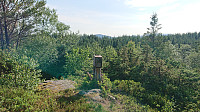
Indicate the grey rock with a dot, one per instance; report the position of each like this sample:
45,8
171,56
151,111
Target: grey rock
93,94
58,85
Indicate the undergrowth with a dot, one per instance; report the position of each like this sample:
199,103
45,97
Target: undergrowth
18,99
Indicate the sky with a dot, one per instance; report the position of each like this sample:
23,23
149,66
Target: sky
127,17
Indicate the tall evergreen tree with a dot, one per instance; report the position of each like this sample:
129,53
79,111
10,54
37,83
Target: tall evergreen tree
153,30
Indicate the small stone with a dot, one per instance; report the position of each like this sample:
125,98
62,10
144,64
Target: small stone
111,97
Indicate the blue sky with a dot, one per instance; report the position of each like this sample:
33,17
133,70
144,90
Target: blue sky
127,17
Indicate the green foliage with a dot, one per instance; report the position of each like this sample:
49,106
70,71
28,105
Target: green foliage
46,39
159,102
48,51
18,71
128,86
160,71
170,51
194,58
120,66
152,32
129,104
77,61
42,49
19,99
168,107
133,88
105,85
88,84
163,79
23,14
110,53
48,24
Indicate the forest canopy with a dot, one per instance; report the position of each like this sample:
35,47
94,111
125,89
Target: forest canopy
160,71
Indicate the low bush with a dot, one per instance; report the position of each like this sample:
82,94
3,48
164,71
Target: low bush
18,71
21,100
128,86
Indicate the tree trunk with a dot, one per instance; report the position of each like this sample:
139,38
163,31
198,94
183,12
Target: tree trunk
5,25
18,39
1,34
19,35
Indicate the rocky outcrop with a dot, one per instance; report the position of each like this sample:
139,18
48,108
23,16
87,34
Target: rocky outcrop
93,94
57,85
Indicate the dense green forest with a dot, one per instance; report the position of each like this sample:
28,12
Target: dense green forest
160,72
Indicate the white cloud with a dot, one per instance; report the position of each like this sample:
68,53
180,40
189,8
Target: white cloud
183,20
169,9
147,3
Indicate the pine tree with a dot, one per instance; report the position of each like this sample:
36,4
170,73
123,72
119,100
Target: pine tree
17,18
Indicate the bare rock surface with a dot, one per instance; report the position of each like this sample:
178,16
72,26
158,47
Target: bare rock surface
93,94
58,85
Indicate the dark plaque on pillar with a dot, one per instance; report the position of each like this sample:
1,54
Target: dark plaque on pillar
97,67
98,61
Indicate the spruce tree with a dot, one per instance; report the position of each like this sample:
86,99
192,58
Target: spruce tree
153,30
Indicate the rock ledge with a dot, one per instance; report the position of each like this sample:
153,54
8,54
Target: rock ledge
57,85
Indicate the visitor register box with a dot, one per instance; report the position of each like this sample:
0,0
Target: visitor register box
97,61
